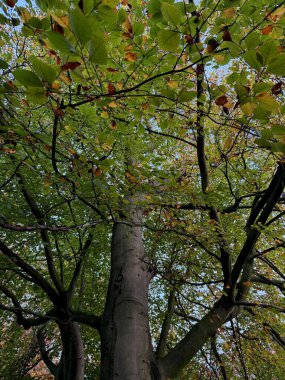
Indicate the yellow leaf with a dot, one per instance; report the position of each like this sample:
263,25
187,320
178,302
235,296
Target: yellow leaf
106,146
104,114
63,21
276,15
228,142
268,101
56,85
172,84
219,58
229,12
248,108
66,79
24,14
113,105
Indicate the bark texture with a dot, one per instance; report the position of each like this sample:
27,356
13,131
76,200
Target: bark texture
125,339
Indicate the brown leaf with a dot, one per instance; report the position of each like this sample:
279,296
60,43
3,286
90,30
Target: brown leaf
127,25
226,110
8,150
267,29
11,84
111,70
276,89
57,28
113,125
111,89
226,35
189,39
51,53
221,100
126,36
10,3
70,66
212,45
25,102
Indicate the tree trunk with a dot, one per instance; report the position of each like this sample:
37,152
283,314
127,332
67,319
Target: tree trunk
126,350
71,366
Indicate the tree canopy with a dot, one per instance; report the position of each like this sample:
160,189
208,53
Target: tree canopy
142,178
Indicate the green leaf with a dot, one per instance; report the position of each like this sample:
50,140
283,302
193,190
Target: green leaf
43,70
168,40
60,43
187,96
138,28
263,143
27,78
260,113
278,147
269,52
97,51
278,65
252,40
3,64
251,58
171,14
80,25
261,87
278,129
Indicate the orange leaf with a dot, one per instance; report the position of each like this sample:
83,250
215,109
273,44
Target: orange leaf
56,85
70,66
127,25
111,70
58,112
111,89
97,172
267,29
129,56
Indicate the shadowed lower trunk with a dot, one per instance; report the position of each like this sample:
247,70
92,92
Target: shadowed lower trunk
71,365
126,351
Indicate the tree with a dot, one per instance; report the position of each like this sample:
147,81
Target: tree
142,185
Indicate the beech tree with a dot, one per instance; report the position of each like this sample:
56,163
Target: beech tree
142,178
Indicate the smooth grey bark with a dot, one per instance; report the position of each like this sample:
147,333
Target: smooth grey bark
186,349
126,351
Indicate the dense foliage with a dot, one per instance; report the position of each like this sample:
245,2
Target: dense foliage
170,109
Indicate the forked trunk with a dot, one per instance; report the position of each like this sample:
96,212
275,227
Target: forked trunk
71,366
126,350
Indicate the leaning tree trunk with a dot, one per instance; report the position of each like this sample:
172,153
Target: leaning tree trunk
126,350
71,366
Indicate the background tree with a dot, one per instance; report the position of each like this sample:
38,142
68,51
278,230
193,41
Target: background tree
142,186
